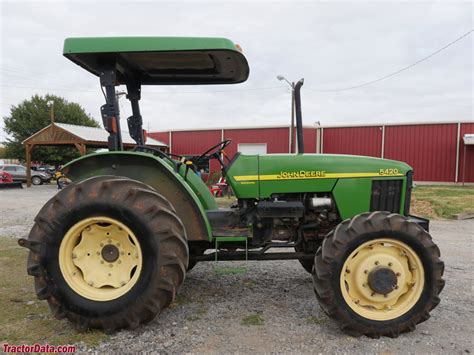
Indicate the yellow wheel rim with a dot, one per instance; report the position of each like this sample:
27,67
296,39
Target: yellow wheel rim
382,279
100,258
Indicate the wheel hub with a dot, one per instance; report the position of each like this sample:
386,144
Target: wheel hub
110,253
382,280
100,258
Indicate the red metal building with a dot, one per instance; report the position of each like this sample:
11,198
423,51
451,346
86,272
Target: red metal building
436,151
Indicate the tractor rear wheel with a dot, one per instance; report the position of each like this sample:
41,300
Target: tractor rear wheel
378,274
107,252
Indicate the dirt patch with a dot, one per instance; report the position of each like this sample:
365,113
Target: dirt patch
422,208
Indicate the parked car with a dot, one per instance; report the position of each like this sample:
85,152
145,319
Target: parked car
18,173
48,169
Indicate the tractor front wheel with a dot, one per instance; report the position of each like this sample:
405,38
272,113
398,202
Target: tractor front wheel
107,252
378,274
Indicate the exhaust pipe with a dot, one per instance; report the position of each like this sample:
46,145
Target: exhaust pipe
299,118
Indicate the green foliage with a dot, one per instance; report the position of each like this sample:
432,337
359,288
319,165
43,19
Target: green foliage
32,115
252,320
3,152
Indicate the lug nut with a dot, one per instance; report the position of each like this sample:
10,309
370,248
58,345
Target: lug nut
372,294
366,271
390,264
376,263
91,283
348,271
398,274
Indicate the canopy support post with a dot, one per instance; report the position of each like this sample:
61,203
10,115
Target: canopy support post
110,111
135,122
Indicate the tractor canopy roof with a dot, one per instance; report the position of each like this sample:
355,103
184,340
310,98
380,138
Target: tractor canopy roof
161,60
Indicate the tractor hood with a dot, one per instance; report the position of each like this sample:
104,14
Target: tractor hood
263,175
322,166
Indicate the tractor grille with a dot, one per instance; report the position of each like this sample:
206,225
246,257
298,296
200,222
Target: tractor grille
386,195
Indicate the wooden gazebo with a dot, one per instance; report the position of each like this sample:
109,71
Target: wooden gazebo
82,137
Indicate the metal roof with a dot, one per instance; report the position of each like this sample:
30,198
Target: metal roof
94,134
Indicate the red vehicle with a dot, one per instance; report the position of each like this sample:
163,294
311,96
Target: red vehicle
6,181
220,188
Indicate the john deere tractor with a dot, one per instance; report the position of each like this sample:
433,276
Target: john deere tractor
111,249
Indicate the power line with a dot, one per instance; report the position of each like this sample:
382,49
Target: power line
400,70
151,93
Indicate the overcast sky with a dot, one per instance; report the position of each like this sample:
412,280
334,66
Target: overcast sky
331,44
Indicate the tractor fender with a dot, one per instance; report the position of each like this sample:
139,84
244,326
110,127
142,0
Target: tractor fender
152,171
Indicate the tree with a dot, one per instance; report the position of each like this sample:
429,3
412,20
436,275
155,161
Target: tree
34,114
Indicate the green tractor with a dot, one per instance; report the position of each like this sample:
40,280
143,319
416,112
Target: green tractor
111,250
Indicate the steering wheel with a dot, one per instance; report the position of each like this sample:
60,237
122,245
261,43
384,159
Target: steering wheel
156,151
216,149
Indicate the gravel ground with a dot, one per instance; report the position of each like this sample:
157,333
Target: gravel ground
207,316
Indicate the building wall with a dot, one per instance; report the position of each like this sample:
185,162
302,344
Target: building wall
160,136
468,173
277,139
430,149
353,140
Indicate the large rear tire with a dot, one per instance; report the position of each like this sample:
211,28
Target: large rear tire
378,274
107,252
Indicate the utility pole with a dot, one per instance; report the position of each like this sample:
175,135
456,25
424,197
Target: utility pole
292,126
51,110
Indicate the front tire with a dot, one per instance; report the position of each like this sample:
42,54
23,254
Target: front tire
36,180
107,252
378,274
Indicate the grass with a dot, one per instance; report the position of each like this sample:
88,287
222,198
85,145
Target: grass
439,201
230,270
252,320
23,318
315,320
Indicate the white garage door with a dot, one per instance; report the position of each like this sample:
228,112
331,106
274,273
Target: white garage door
252,148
